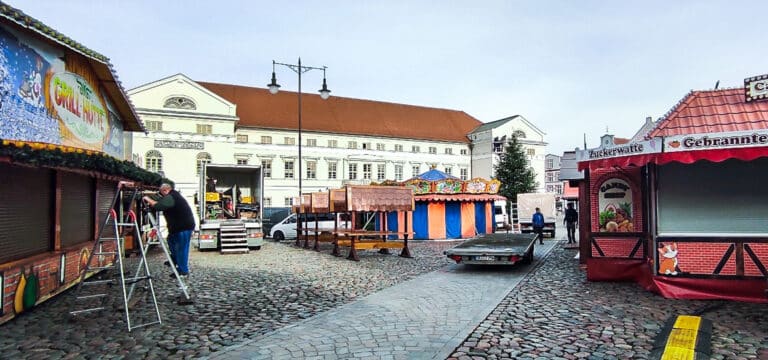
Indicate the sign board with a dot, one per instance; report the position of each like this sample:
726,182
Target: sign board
708,141
756,88
633,148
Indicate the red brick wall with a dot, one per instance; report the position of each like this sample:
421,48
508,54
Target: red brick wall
46,269
617,247
702,258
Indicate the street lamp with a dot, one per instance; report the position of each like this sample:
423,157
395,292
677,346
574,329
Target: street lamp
324,94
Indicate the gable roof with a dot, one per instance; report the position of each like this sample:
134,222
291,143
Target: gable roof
494,124
256,107
713,111
102,68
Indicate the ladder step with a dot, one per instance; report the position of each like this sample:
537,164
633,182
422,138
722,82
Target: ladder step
126,224
100,267
83,297
135,280
99,282
105,253
86,310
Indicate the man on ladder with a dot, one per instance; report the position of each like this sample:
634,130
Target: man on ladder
181,223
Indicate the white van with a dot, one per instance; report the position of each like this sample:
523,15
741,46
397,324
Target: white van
500,215
286,229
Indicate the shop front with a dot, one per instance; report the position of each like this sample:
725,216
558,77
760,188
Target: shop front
63,117
683,212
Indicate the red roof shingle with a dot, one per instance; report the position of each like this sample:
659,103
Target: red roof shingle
713,111
256,107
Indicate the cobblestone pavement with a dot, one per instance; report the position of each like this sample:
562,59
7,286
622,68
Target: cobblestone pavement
237,297
423,318
556,314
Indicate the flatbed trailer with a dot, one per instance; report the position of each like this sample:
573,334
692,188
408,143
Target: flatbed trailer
494,249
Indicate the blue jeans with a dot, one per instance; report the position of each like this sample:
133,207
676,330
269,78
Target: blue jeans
179,247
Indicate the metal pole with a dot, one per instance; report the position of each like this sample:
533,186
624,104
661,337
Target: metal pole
300,71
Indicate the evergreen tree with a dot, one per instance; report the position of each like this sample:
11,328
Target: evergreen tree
513,172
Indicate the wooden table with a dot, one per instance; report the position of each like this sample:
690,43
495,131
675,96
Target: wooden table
361,239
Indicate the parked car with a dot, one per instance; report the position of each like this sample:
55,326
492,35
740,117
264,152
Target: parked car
286,229
272,216
500,214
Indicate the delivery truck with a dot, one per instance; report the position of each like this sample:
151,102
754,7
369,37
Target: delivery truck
526,206
229,206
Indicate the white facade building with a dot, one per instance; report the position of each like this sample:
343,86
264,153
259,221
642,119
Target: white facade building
489,141
189,123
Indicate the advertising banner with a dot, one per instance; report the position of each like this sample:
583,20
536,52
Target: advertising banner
724,140
43,100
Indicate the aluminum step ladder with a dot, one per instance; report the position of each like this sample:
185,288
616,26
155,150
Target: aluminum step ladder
233,237
105,263
154,236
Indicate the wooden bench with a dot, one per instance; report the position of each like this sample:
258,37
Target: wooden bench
370,240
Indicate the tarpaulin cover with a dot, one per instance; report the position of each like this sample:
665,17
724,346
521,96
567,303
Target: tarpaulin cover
434,175
436,220
749,290
489,223
467,219
393,223
480,217
452,220
421,221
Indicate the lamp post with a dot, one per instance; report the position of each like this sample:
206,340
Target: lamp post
324,94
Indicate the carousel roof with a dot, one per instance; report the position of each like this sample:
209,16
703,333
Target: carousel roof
434,175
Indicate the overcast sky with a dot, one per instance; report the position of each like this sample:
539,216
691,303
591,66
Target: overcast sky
570,67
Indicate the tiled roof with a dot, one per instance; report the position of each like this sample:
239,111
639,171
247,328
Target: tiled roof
713,111
494,124
256,107
619,141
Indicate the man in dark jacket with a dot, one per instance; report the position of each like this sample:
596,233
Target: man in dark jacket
181,224
571,218
538,224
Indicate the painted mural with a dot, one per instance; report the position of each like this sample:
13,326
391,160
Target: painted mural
40,101
615,206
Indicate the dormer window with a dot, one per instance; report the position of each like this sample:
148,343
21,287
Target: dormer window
180,102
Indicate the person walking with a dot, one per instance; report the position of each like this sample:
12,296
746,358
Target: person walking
181,223
538,225
570,221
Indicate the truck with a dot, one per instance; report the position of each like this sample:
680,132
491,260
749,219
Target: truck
501,248
229,206
526,206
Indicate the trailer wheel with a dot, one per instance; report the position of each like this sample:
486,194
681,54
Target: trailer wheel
279,236
529,256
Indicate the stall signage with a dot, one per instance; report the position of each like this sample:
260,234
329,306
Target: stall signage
615,206
79,107
725,140
634,148
172,144
756,88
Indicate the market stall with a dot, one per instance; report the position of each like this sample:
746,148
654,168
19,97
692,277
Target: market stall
682,211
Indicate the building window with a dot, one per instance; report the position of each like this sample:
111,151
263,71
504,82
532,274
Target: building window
433,150
352,171
449,151
351,144
288,169
289,140
179,102
288,201
204,129
242,138
399,147
312,142
332,169
242,161
154,161
463,151
267,202
398,172
367,171
550,176
266,167
266,139
202,158
464,173
333,144
366,146
153,125
531,152
415,148
380,147
519,134
311,169
550,163
415,170
449,170
381,171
